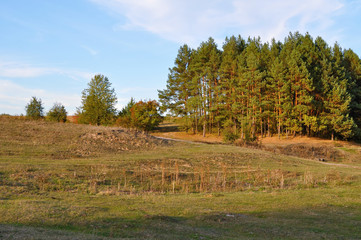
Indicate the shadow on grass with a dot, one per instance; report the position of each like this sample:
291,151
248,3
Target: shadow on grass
324,222
167,127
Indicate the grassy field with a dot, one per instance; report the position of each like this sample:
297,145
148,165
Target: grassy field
66,181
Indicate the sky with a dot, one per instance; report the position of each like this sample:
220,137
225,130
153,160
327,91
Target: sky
52,49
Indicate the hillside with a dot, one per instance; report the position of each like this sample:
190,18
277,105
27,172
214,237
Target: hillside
306,147
21,137
64,181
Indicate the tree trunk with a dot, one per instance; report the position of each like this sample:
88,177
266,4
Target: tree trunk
196,127
204,129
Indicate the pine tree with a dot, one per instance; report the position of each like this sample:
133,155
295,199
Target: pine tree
175,97
252,80
204,68
352,65
34,109
277,86
300,86
229,100
274,84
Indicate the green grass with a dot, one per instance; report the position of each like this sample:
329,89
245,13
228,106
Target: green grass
350,150
175,191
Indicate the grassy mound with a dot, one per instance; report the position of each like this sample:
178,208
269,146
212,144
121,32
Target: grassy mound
22,137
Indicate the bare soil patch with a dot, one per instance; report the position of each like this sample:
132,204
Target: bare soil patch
314,148
300,146
115,140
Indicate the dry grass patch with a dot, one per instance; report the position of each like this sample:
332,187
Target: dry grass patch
109,182
24,138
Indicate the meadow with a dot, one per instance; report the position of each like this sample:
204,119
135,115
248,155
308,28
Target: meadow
66,181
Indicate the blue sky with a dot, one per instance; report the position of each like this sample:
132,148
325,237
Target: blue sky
51,49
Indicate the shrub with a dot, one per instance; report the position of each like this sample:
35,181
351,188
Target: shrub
57,113
145,115
229,136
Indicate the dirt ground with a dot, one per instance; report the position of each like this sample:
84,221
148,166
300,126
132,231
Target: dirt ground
300,146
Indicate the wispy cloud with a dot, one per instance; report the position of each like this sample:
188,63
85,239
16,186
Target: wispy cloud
12,69
20,70
189,21
14,96
90,50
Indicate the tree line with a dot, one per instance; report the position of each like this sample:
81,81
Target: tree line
98,108
35,110
300,86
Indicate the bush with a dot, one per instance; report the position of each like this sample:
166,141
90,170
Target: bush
34,109
229,133
141,115
57,113
124,119
229,136
145,115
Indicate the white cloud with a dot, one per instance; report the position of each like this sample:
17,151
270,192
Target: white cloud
11,69
19,70
190,21
14,96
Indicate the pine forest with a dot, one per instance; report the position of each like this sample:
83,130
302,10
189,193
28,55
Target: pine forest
250,89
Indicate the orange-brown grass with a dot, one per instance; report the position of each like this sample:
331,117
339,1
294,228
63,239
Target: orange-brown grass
302,146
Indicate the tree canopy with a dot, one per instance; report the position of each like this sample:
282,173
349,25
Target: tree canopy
34,109
145,115
301,86
57,113
98,102
142,115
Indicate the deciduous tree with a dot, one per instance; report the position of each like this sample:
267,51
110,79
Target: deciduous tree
57,113
98,102
145,115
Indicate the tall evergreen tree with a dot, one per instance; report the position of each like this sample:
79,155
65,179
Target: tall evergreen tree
252,81
34,109
229,103
352,64
204,67
300,86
